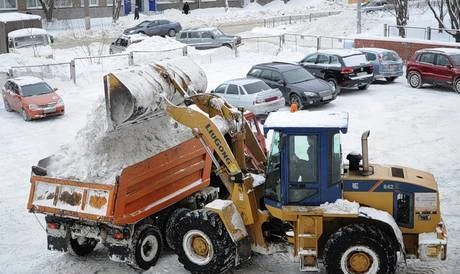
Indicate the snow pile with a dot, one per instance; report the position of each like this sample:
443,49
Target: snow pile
98,156
340,207
156,43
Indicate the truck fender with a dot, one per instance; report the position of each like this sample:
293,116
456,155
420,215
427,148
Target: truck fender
386,218
231,218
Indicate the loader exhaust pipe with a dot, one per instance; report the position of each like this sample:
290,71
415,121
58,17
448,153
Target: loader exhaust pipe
365,152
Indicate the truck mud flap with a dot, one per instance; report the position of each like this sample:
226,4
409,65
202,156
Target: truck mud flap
57,243
119,253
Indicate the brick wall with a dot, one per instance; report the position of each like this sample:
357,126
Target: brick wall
405,49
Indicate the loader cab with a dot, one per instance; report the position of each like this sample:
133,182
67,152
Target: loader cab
305,158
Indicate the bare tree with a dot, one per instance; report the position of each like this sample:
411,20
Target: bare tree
453,8
116,7
48,7
402,15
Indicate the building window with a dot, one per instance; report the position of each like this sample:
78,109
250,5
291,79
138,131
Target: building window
8,4
63,3
93,3
33,4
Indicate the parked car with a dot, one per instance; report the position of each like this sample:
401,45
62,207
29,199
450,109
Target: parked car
156,27
438,66
32,97
206,38
296,83
252,94
376,5
387,63
124,41
342,68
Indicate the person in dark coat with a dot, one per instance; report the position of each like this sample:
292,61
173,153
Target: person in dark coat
186,8
136,13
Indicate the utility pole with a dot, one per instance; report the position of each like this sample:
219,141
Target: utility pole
87,18
358,26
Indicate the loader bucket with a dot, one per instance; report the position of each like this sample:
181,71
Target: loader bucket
136,94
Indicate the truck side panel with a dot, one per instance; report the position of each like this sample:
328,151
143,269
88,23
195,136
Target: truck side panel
162,180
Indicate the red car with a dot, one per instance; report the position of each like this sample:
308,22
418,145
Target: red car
32,97
437,66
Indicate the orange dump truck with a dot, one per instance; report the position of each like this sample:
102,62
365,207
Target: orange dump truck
131,215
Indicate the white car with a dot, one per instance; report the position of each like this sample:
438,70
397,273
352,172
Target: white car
252,94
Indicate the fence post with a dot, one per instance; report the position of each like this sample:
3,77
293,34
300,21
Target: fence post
290,20
273,20
318,42
73,73
385,30
131,58
10,73
310,17
184,51
235,48
428,33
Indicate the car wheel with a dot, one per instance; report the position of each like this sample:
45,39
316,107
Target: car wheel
172,32
334,84
24,115
228,46
7,106
295,99
457,85
110,51
415,79
390,79
363,87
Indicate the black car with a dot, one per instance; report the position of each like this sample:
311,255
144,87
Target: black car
342,68
296,83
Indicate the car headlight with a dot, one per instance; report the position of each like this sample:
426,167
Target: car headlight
310,94
60,102
34,107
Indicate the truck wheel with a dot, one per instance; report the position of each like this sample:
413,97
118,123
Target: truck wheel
203,244
82,246
360,248
147,243
171,228
415,79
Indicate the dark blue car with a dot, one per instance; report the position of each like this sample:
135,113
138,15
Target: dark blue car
387,63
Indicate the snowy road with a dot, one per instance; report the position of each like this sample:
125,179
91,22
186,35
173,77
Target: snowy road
414,127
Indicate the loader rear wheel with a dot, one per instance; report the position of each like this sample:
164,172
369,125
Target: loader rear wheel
82,246
172,226
359,249
203,244
147,243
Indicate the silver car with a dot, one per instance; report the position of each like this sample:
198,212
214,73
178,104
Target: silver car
124,41
252,94
206,38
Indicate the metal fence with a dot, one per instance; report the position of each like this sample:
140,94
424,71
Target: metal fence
425,33
59,70
295,19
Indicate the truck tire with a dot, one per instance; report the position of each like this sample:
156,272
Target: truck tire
82,246
171,228
203,244
147,244
360,248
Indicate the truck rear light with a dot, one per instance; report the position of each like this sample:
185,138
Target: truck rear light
118,235
53,226
346,70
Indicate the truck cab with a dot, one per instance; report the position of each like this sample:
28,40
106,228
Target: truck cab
34,42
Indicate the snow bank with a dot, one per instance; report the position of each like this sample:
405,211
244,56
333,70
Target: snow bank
340,207
156,43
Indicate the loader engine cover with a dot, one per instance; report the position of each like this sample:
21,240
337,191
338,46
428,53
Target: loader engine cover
135,94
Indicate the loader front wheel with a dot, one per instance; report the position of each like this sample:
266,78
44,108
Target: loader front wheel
147,244
203,244
359,248
82,246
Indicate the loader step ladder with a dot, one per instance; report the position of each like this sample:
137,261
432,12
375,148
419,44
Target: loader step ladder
308,230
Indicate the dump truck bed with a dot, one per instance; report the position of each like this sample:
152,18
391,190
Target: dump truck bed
141,190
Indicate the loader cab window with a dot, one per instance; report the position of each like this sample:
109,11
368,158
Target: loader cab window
336,160
273,180
303,167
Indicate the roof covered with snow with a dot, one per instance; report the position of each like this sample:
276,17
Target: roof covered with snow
340,52
307,119
242,81
26,32
444,50
27,80
16,16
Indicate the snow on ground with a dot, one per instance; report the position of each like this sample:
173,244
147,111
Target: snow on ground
413,127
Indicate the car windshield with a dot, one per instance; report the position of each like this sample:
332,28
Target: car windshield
390,56
30,40
297,75
455,59
217,32
35,89
256,87
355,60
